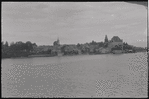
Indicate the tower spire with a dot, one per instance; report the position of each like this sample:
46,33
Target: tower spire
106,39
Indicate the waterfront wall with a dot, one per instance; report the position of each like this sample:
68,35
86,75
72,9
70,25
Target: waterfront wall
117,51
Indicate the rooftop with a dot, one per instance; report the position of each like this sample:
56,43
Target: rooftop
116,39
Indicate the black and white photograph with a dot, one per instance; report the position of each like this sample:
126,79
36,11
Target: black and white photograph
74,49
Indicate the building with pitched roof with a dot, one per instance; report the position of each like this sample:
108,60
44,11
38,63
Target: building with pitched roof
116,42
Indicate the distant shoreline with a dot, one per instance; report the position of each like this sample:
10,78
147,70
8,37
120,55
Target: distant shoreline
47,55
41,55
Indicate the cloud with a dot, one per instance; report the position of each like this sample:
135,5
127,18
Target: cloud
86,19
22,10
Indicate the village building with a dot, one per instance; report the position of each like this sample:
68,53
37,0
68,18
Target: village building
57,48
109,44
42,48
116,42
107,48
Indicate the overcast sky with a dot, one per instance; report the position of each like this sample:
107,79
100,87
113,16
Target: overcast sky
74,22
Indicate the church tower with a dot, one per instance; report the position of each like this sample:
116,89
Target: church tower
106,39
58,47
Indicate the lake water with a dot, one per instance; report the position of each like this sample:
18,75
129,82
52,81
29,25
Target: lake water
121,75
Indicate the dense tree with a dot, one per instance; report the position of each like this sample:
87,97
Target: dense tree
6,44
20,49
78,45
17,49
12,43
93,42
29,46
63,48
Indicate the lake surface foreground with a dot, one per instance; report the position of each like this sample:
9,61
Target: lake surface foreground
120,75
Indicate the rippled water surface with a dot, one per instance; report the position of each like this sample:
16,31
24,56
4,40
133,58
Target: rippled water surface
121,75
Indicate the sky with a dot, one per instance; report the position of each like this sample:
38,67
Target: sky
73,22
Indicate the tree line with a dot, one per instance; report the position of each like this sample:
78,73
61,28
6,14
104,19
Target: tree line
18,49
21,49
